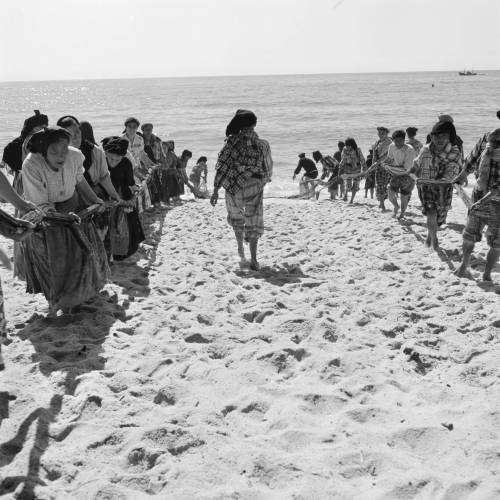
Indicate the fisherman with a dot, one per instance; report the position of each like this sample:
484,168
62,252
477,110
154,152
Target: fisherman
330,171
306,185
412,140
399,162
485,211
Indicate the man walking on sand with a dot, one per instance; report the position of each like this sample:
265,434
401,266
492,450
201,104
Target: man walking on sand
382,176
243,168
486,212
398,163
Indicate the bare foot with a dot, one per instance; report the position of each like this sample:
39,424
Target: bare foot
395,212
435,244
401,215
487,278
254,265
428,241
463,272
244,264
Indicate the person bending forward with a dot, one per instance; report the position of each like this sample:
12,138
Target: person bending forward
243,168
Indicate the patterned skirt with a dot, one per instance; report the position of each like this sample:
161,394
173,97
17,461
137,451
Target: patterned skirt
245,209
68,264
437,198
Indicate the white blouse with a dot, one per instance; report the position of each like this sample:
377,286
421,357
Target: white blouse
43,186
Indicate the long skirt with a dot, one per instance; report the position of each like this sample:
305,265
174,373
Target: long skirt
126,233
154,186
67,264
245,209
170,184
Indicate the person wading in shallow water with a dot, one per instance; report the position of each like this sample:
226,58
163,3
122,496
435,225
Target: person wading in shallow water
306,185
243,168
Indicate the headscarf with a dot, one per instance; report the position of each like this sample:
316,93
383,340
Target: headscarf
242,119
445,128
40,141
87,132
317,155
30,123
116,145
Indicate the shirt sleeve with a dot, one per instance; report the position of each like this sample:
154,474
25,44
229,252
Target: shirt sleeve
35,188
101,166
409,158
298,169
77,159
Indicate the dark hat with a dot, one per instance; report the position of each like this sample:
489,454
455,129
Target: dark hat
399,133
242,119
317,155
383,128
40,141
494,135
187,154
445,118
36,120
146,125
202,158
445,128
116,145
132,120
66,121
302,155
411,130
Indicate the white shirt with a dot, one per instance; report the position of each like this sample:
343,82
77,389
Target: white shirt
44,186
402,157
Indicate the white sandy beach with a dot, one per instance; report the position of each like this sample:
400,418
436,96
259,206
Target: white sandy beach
353,366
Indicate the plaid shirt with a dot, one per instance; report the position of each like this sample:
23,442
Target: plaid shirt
330,167
445,164
380,149
488,172
353,162
471,163
242,156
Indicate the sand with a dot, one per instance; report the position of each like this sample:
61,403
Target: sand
353,366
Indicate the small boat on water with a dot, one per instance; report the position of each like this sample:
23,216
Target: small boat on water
467,72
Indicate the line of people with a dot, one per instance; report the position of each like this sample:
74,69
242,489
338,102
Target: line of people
78,205
398,163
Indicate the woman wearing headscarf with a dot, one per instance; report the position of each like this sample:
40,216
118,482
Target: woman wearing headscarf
96,172
439,160
170,179
139,159
243,167
17,233
126,229
352,162
15,152
65,262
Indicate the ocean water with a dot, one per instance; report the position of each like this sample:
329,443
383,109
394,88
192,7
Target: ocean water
296,113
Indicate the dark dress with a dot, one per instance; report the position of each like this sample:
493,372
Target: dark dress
122,177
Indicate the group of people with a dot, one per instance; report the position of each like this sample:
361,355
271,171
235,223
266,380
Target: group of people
78,205
398,163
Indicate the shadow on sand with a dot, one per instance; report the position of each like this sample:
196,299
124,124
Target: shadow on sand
71,345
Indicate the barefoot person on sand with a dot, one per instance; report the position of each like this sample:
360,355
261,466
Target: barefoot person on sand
243,168
399,162
330,172
306,184
352,163
485,213
382,176
439,160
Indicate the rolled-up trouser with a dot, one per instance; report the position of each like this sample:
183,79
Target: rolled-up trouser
245,209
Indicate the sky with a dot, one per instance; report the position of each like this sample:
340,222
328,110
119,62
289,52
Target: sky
87,39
